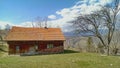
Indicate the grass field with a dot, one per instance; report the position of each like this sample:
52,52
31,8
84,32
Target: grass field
67,60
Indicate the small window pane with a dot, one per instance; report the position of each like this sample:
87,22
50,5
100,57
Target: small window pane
50,46
36,47
17,48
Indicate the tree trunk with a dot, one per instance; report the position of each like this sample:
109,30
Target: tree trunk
108,49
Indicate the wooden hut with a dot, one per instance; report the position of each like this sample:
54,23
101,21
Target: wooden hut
23,40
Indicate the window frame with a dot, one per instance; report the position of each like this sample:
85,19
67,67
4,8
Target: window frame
50,46
17,48
36,47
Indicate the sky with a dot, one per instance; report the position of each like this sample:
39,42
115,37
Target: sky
58,12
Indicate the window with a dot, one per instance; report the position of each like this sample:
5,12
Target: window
36,47
49,45
17,48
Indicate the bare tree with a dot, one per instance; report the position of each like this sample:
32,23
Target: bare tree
99,22
40,22
90,47
7,27
115,44
1,39
45,20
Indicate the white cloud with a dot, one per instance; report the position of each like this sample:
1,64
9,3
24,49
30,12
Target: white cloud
52,17
3,23
81,7
67,15
23,24
103,2
26,24
92,1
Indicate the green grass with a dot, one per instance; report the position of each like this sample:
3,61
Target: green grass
70,60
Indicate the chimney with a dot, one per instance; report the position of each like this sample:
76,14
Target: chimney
45,27
45,23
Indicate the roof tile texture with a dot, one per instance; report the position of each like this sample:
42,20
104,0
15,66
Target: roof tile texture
34,34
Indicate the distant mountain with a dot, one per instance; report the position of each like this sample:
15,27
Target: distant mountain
83,33
72,33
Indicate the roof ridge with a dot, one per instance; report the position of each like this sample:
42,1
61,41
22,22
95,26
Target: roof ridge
35,27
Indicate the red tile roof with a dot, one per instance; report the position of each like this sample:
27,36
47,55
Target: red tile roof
34,34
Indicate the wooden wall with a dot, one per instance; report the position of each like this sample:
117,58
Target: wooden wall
42,46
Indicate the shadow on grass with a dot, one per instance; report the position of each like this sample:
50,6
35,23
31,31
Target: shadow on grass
2,50
69,51
65,52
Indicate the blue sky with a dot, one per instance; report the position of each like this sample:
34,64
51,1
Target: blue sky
17,11
59,12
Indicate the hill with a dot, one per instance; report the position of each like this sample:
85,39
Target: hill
70,60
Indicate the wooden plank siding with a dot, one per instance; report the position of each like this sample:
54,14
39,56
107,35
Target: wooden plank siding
42,46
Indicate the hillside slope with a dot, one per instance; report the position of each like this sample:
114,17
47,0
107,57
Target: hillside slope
71,60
